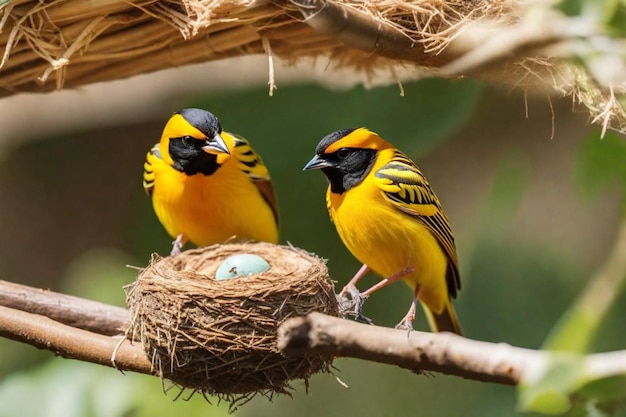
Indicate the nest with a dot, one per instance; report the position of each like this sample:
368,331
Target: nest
49,45
219,337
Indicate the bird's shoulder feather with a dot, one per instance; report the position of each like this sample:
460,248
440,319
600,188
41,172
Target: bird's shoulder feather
404,186
251,164
153,156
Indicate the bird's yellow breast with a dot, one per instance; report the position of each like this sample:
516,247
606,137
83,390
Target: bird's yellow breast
208,209
389,240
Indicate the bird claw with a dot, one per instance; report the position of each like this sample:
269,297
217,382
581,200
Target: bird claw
406,324
352,305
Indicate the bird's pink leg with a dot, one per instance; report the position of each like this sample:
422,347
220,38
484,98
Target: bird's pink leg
389,280
359,298
407,322
350,287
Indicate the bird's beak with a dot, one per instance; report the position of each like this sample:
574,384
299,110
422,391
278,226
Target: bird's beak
318,163
216,146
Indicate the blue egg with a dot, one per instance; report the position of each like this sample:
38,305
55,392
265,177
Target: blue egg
241,265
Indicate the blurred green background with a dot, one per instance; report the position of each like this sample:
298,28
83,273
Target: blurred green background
529,234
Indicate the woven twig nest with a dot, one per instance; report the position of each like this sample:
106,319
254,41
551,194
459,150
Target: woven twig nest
219,336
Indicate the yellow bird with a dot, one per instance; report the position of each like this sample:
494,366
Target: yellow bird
208,185
388,216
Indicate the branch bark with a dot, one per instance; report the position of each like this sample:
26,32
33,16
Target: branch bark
417,351
420,351
72,343
74,311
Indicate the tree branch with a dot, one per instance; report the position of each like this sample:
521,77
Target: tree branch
421,351
74,311
72,343
417,351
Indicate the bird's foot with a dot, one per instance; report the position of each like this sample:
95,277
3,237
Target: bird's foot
177,246
406,323
351,302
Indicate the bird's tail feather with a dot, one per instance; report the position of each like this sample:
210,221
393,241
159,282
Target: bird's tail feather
446,321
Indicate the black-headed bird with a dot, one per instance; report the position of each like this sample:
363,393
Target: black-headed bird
390,219
208,185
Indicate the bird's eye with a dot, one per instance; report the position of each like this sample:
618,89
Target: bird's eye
343,153
188,141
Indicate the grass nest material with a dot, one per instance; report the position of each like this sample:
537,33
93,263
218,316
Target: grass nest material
59,43
218,337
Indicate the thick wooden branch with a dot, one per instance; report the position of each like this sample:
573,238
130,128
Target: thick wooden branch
70,342
420,351
417,351
74,311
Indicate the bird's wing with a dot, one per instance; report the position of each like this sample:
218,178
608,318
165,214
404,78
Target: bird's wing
251,164
406,188
148,169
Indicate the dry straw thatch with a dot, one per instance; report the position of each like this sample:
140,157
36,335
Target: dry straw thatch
61,43
219,337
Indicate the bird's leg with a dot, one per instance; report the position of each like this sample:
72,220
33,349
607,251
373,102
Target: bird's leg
354,304
177,245
350,287
359,298
389,280
407,322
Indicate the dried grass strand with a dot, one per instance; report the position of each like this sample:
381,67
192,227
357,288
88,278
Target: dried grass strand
60,44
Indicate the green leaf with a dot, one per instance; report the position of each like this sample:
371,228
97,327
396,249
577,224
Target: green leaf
615,17
561,384
546,387
571,7
605,390
574,331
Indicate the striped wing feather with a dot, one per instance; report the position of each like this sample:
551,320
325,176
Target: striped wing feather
406,188
251,164
148,171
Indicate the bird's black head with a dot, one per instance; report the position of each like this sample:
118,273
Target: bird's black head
194,142
204,121
344,158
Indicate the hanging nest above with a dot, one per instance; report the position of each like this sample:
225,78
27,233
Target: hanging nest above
526,44
219,336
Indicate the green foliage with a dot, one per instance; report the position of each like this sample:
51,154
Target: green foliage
506,193
562,385
616,17
606,391
601,163
547,388
611,14
108,271
571,7
70,388
574,331
299,116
